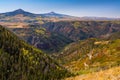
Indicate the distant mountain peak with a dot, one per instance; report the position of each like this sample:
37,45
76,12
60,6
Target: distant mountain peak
52,12
20,10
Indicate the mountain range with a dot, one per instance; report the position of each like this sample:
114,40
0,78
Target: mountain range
51,15
25,13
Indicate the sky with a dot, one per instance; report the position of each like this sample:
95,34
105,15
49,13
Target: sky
80,8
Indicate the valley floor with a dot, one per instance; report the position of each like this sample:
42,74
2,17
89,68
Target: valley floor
110,74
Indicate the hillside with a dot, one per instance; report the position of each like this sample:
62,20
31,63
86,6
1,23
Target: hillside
111,74
20,61
91,55
80,30
38,36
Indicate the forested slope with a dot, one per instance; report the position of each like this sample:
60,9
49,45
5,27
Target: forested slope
20,61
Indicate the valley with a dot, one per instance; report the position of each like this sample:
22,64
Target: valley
53,46
54,36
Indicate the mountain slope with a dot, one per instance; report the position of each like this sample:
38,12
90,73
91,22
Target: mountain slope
38,36
79,30
21,61
91,55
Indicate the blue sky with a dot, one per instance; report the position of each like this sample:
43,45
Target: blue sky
99,8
